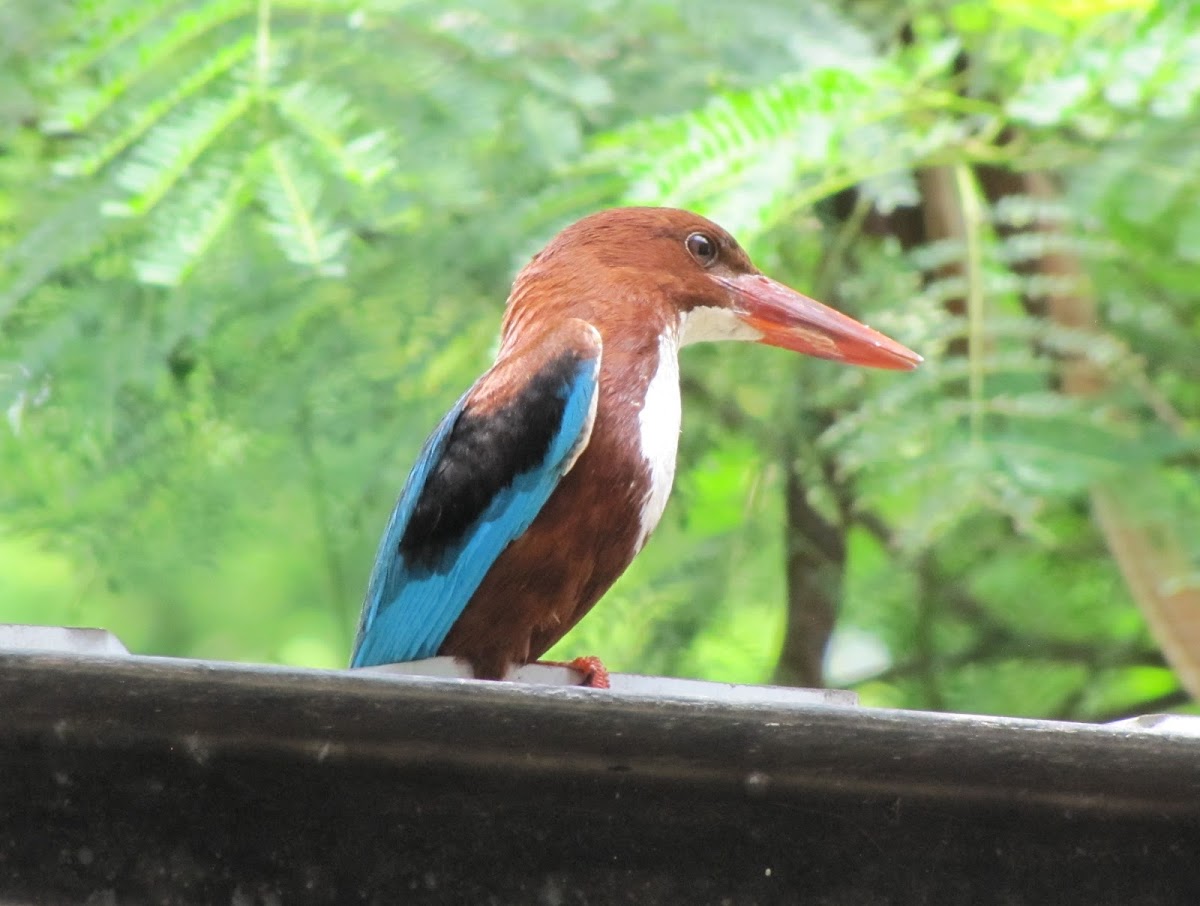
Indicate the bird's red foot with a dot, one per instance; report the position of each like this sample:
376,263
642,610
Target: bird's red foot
595,674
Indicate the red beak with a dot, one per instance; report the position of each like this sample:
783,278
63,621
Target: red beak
787,319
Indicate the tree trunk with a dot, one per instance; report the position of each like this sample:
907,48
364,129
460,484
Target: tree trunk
816,563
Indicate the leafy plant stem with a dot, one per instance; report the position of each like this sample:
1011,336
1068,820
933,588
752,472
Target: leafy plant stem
972,218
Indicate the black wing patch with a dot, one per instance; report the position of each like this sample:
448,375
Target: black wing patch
484,455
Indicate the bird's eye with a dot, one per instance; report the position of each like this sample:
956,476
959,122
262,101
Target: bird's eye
702,248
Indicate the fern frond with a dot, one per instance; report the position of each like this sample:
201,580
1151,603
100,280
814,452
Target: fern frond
327,117
701,152
1021,211
1097,82
79,109
101,26
753,158
166,155
291,192
101,149
183,229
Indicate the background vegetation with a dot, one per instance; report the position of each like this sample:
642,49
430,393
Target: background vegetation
250,252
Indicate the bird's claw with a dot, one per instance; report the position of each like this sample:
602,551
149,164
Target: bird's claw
595,674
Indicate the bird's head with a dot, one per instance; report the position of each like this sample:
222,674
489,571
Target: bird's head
663,269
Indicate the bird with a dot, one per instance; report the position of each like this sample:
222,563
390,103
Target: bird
548,475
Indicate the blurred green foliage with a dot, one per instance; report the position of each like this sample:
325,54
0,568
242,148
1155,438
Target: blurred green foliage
249,253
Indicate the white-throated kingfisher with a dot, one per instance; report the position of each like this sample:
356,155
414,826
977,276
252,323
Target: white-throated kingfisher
544,481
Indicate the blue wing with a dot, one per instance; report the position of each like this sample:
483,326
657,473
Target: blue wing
480,480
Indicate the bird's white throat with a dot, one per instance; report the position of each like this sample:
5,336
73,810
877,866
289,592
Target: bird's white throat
661,415
712,323
658,429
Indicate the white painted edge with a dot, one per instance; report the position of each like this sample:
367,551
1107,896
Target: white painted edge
630,683
70,639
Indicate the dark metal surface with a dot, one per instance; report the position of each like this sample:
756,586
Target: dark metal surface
140,780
